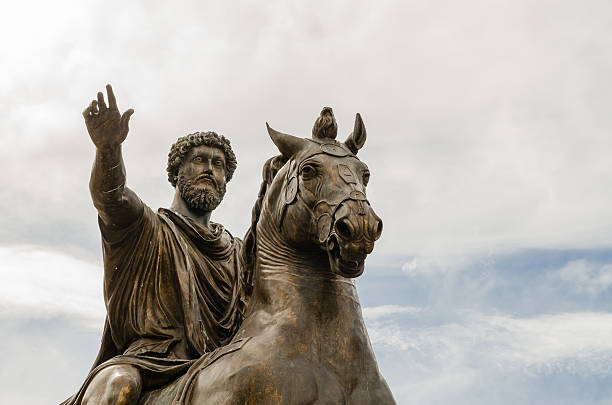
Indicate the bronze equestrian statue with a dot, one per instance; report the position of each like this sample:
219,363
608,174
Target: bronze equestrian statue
302,340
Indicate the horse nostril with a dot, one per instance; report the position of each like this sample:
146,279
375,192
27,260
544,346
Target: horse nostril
379,227
343,229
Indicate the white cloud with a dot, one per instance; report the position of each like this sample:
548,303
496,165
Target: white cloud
382,311
410,267
436,263
585,276
39,283
474,356
424,265
574,342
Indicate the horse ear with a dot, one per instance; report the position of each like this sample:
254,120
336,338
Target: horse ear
357,138
288,145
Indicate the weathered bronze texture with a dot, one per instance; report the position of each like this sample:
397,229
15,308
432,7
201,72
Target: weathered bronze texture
304,337
173,282
195,316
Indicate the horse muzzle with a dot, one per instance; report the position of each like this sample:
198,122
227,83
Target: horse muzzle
352,235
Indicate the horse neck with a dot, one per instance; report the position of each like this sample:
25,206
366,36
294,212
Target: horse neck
298,285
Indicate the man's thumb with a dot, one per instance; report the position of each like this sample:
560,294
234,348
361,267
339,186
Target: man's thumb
125,119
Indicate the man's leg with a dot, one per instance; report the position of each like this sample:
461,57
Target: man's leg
117,385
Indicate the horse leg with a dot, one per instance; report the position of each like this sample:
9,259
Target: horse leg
119,384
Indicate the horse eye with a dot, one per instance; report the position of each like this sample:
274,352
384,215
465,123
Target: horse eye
308,172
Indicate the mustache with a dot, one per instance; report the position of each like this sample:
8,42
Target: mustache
209,177
201,198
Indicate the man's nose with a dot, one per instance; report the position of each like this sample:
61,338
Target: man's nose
207,166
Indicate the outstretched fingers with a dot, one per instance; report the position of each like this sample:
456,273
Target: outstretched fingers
101,102
112,102
125,120
91,109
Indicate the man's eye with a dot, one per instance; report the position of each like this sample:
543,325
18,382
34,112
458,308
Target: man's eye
197,159
219,163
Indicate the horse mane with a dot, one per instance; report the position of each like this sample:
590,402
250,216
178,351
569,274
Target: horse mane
270,168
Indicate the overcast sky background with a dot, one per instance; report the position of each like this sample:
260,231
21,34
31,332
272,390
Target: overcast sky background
488,140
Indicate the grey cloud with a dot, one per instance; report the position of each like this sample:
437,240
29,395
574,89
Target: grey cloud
44,360
488,129
484,122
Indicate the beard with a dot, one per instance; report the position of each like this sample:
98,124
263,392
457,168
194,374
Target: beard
200,197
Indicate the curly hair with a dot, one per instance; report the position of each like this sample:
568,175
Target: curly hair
184,144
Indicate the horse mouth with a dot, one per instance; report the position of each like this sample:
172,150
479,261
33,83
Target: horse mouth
342,265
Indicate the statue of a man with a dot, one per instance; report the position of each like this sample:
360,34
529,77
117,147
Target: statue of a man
174,285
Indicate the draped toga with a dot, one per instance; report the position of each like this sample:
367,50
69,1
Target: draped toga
174,291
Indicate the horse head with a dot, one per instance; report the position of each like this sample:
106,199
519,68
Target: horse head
318,198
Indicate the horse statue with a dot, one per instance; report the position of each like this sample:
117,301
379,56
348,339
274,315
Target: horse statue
303,340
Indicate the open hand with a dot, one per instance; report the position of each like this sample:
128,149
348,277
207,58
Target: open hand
106,126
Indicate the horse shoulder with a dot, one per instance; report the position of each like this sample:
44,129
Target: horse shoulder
255,375
221,382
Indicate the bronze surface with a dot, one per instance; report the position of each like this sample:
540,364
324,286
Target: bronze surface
195,316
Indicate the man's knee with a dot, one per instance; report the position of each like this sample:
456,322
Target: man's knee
116,385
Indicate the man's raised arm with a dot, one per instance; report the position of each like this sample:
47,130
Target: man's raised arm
117,205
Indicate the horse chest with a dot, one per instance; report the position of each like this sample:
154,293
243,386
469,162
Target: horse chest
299,374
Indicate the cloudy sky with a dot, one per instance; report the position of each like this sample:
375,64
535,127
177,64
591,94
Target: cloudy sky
488,140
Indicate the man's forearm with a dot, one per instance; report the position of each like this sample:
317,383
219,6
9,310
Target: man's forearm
107,177
116,204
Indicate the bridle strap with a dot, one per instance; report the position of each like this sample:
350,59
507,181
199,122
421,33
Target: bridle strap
292,192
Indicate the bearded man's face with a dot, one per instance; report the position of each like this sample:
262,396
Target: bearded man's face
201,178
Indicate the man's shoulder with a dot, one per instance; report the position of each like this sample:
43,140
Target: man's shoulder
144,220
